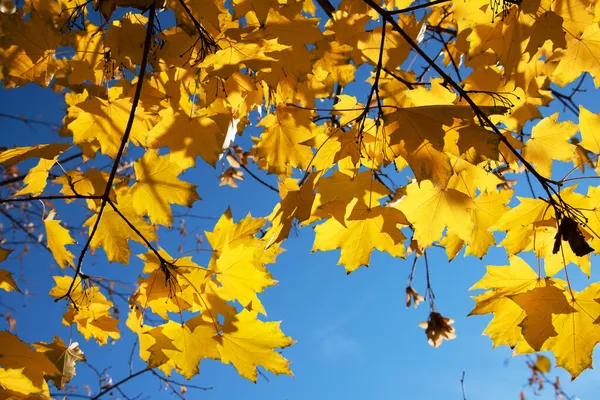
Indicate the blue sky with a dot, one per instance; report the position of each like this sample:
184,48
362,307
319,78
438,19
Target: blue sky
355,337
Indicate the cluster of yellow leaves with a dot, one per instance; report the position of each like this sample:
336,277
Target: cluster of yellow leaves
220,63
533,314
236,273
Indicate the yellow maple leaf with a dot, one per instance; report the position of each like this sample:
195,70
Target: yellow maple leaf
549,141
157,187
105,121
58,237
29,54
502,282
241,275
188,137
281,144
430,210
91,182
488,208
567,326
296,204
228,233
518,223
580,56
124,37
13,380
247,342
113,232
189,343
231,56
364,229
92,314
590,132
36,178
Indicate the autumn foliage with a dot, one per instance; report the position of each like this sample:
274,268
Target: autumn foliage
152,88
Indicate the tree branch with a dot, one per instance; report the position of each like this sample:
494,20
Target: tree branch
124,141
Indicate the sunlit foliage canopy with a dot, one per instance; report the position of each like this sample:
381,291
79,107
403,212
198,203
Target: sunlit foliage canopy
452,123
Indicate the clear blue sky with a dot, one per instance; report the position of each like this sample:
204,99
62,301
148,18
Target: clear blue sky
355,337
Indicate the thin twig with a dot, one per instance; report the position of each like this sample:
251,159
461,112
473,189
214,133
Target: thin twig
116,385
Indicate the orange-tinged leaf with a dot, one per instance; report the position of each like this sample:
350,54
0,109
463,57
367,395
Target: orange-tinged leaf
247,343
13,380
157,187
14,156
7,282
58,237
16,354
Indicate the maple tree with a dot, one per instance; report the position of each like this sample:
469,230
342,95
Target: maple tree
153,87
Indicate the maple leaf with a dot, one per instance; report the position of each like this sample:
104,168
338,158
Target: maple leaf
14,156
36,178
105,121
571,330
281,144
247,342
580,56
16,385
231,234
430,209
58,238
90,309
113,232
549,141
157,187
364,229
241,275
231,56
189,344
296,204
92,182
188,137
16,354
63,356
29,55
590,134
503,282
